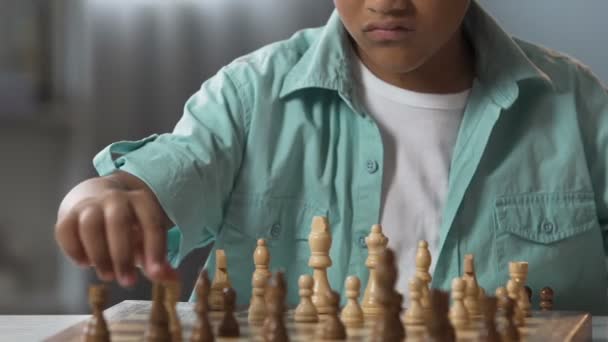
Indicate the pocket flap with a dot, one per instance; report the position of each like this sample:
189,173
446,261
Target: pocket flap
546,217
271,218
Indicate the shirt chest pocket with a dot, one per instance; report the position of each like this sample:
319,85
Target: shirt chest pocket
283,220
558,234
546,218
283,223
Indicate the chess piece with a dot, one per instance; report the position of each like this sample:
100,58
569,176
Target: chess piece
388,326
414,316
458,312
157,328
438,324
320,243
172,290
501,296
220,281
471,299
229,327
528,293
352,314
518,271
524,302
423,265
274,329
202,330
257,306
507,329
96,329
514,292
376,244
395,307
481,297
281,286
513,289
332,328
546,299
489,307
501,300
306,311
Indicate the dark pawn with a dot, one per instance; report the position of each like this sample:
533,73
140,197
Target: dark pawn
528,293
229,326
158,323
396,309
202,330
281,286
96,329
508,330
546,299
438,323
489,332
388,327
333,328
274,326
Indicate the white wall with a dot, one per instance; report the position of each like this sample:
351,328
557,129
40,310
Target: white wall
578,28
32,167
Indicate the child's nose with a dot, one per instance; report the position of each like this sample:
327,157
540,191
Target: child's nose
389,7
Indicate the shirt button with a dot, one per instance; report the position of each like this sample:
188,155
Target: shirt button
275,231
372,166
362,243
548,227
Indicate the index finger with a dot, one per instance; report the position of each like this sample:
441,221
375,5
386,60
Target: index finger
155,261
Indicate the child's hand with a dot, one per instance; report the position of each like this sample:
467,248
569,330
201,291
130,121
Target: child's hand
114,223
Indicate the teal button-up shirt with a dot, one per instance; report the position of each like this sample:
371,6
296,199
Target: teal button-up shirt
280,136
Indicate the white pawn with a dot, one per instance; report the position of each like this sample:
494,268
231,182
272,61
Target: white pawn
261,259
306,311
352,314
458,312
414,316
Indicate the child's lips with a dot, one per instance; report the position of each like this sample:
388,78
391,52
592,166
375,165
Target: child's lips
388,30
384,35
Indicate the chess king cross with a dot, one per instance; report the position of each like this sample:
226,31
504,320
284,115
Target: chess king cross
379,315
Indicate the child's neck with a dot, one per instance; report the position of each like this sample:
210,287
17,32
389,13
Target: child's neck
450,70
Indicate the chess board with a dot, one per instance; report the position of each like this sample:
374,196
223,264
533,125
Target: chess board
127,322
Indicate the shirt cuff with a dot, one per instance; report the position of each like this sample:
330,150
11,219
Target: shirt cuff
152,163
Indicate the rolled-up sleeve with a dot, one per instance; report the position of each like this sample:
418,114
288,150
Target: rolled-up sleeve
592,100
191,170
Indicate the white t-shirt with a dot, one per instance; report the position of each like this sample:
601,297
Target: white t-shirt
418,132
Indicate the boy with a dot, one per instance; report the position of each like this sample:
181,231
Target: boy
422,115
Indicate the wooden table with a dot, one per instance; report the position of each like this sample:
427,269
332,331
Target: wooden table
36,328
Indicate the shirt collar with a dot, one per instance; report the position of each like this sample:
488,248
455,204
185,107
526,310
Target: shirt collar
500,63
325,64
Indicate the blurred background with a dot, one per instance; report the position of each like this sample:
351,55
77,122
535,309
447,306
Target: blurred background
76,75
